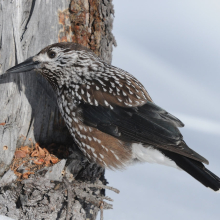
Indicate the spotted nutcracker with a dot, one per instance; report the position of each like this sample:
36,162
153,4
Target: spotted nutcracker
110,115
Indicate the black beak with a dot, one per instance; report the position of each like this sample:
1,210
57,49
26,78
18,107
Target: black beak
25,66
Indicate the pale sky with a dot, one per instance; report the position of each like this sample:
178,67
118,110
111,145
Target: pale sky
173,48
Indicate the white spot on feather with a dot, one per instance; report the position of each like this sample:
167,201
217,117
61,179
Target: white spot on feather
124,94
138,96
96,102
104,148
80,127
76,120
106,103
88,147
114,154
112,84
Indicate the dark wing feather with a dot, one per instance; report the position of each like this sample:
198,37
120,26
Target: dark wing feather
148,124
195,169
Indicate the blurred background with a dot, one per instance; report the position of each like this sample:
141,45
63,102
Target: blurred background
173,48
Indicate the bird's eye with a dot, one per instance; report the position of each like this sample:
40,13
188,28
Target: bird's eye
51,54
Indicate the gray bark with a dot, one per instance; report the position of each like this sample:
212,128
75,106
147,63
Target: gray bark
28,108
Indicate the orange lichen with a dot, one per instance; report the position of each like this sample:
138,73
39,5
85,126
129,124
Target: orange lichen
20,154
38,152
32,159
39,161
26,149
26,175
3,123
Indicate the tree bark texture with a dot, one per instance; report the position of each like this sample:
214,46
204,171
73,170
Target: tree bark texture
28,108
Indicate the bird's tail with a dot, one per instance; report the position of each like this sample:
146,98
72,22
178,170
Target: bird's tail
195,169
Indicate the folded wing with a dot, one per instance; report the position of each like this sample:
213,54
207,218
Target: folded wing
148,124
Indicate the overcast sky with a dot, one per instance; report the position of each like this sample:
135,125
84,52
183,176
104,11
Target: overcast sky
173,48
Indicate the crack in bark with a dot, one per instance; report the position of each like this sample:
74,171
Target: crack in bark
16,55
29,18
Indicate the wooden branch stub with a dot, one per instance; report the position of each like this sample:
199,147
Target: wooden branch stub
89,23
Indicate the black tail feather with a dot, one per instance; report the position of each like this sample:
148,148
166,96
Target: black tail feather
195,169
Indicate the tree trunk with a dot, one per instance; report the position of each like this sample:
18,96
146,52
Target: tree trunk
72,188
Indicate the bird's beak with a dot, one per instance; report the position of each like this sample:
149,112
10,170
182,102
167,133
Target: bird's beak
25,66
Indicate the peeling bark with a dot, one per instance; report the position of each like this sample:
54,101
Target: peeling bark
28,107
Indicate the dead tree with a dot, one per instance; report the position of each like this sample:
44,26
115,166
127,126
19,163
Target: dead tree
72,188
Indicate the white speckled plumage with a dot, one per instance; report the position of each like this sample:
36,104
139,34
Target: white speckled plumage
85,86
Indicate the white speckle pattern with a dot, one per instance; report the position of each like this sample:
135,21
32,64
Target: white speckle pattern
78,77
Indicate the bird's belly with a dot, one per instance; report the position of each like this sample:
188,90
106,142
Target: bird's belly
149,154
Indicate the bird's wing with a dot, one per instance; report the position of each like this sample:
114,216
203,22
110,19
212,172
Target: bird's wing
147,124
115,87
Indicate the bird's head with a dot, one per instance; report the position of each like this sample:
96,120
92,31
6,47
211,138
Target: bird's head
55,62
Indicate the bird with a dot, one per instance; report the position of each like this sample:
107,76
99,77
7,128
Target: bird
111,116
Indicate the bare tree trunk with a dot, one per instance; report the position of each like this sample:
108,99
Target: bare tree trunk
28,108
